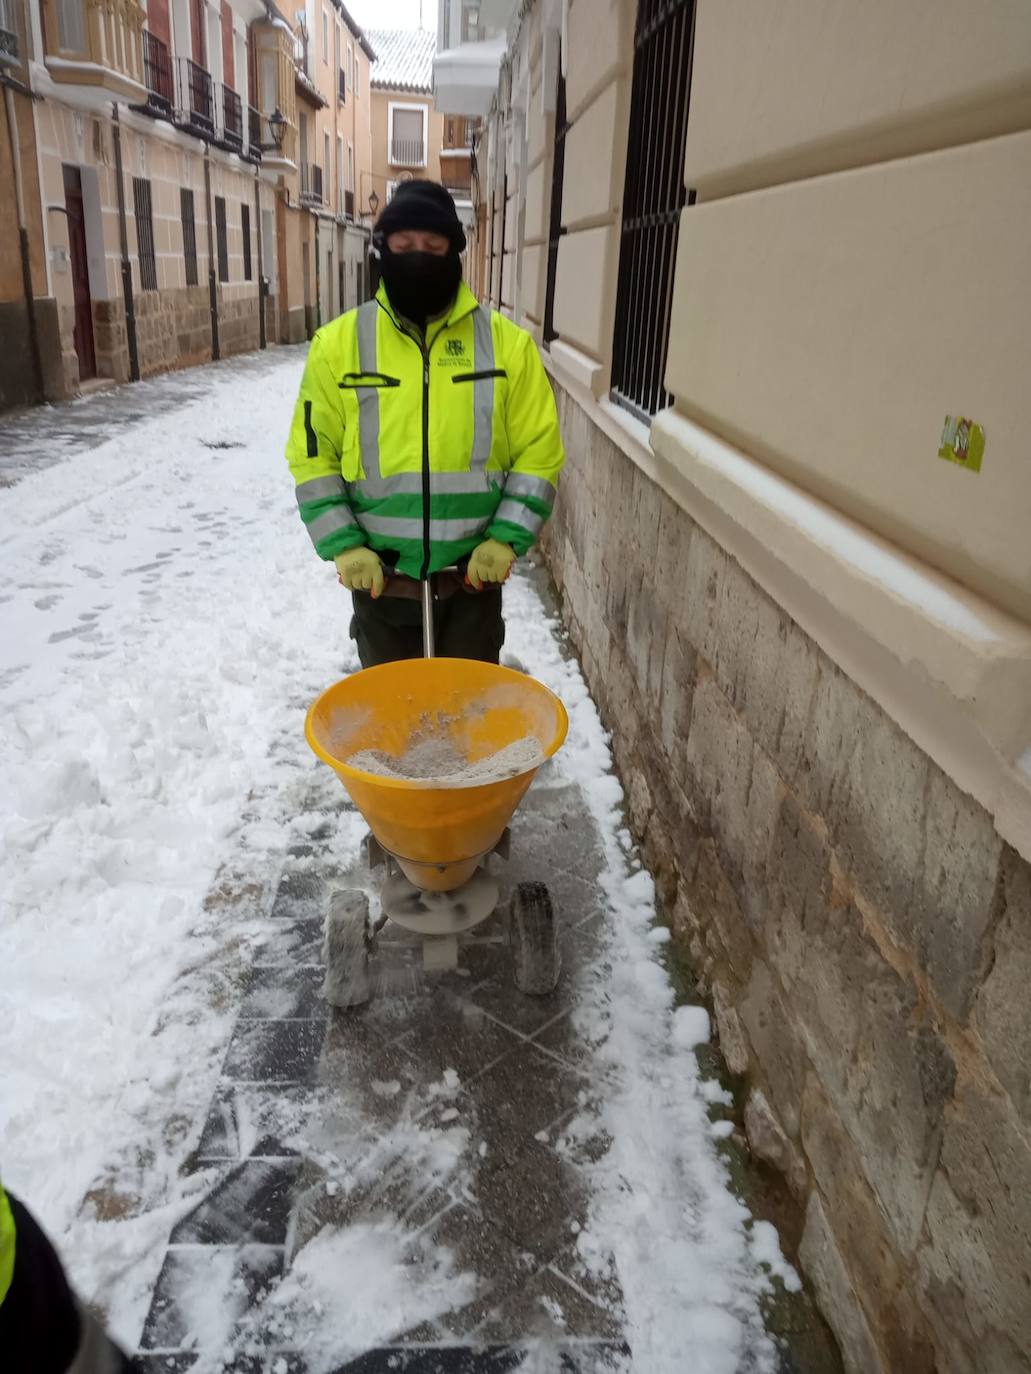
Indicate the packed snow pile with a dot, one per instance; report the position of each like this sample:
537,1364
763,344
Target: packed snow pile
437,762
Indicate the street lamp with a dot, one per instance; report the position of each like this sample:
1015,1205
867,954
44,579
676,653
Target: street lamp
277,127
373,202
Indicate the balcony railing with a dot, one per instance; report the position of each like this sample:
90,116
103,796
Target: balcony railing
96,33
157,75
254,123
407,152
230,118
311,184
195,106
9,34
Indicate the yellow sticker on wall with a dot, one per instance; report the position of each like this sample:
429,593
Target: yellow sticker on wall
962,442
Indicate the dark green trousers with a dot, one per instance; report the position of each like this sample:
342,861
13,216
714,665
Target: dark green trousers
466,625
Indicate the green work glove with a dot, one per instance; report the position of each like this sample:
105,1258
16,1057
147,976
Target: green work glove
491,562
360,571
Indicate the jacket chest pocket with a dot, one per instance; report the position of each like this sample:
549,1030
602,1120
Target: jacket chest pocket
363,393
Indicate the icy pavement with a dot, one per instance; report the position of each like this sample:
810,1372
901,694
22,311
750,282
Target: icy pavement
455,1178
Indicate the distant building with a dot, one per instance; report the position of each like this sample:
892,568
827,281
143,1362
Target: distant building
410,139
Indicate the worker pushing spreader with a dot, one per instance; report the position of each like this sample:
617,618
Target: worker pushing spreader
425,447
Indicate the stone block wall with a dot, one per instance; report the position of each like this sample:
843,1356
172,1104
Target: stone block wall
863,932
173,330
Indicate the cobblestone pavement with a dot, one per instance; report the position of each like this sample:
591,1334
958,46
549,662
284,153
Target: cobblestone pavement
39,436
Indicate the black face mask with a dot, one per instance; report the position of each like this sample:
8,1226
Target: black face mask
420,285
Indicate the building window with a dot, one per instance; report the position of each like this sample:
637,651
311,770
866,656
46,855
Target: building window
407,136
245,225
189,234
555,230
356,83
350,64
653,198
327,162
221,238
325,37
144,233
342,87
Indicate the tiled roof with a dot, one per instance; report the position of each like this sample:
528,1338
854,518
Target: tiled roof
404,59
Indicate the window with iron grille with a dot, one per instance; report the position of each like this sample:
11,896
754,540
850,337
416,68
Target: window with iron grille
245,225
221,238
653,198
555,230
144,233
189,234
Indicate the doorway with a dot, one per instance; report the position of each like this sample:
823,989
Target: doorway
85,348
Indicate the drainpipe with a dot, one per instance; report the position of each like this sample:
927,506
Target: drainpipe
23,241
216,352
318,277
262,341
130,312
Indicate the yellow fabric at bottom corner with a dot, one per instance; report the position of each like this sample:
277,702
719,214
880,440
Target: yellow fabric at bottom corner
7,1237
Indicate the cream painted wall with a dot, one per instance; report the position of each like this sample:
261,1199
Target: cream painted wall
600,48
829,326
794,89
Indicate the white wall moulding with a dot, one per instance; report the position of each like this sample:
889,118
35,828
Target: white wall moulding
952,670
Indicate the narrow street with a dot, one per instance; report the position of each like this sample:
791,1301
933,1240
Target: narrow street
455,1178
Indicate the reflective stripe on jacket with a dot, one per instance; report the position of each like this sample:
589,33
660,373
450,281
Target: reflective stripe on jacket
424,450
7,1239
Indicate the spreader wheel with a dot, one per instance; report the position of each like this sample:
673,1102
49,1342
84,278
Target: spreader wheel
346,949
534,937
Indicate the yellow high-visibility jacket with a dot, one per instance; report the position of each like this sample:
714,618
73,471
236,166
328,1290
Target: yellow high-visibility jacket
424,449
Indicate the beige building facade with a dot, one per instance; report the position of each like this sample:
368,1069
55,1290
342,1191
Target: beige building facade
28,312
186,179
788,336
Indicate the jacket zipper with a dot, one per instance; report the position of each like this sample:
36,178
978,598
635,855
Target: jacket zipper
424,348
426,461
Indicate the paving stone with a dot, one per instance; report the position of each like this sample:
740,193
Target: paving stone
524,1093
249,1120
548,1306
283,994
532,1197
300,894
292,944
459,1035
274,1051
479,1248
251,1204
197,1281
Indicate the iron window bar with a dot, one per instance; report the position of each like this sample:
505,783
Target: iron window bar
195,106
555,229
653,199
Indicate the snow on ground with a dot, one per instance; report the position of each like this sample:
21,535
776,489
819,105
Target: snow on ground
165,624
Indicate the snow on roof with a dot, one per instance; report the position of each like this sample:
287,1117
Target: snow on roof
404,59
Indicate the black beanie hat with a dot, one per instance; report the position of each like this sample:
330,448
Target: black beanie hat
422,205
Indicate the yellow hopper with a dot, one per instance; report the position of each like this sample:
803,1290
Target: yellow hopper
438,837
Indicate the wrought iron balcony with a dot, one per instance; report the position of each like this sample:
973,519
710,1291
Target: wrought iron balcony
157,76
254,140
311,184
195,105
9,46
407,152
230,108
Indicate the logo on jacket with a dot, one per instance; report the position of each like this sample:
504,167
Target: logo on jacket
455,348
